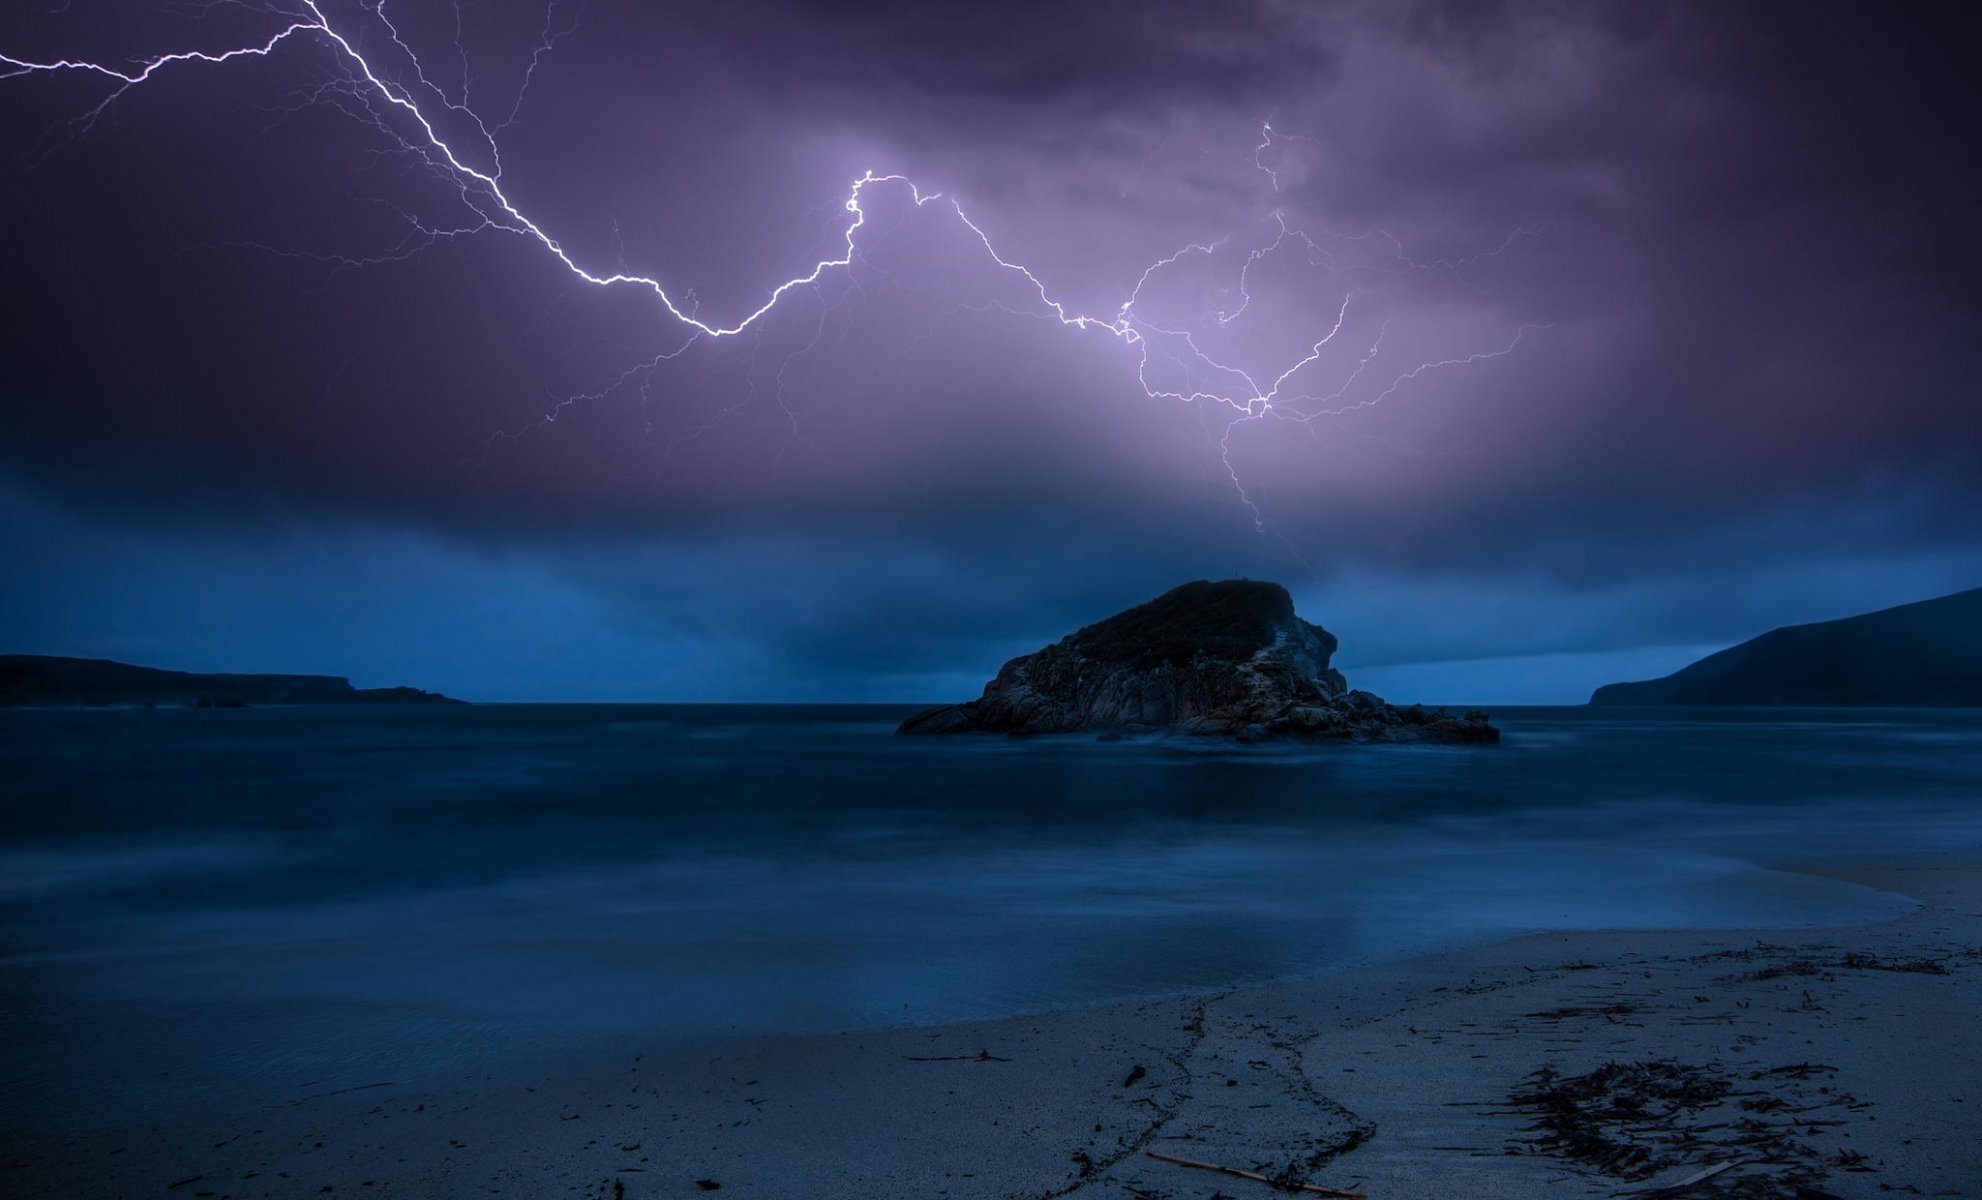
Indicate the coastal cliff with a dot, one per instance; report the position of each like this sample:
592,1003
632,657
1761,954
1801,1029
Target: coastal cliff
47,681
1218,659
1922,655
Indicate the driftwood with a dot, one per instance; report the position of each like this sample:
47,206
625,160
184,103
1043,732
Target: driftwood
1255,1176
1677,1184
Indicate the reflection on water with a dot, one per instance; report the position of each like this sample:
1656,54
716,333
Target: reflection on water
228,895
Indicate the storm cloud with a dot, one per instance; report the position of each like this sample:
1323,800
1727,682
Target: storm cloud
1712,265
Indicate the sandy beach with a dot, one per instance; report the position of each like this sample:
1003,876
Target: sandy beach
1835,1063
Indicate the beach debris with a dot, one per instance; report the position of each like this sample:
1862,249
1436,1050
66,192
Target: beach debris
1640,1121
1678,1185
1807,962
980,1056
363,1087
1609,1012
1284,1185
1136,1072
1085,1161
1857,961
709,1185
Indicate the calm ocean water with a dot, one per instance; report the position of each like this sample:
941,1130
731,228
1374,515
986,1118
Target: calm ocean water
206,903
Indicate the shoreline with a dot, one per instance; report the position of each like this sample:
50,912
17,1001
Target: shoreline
1840,1061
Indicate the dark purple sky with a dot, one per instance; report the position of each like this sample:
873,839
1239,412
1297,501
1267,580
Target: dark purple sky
255,421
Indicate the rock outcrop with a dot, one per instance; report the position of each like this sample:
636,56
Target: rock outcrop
1922,655
40,680
1218,659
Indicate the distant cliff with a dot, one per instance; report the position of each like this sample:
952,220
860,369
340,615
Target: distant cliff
34,680
1206,658
1924,655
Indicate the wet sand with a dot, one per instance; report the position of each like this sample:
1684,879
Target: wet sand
1841,1062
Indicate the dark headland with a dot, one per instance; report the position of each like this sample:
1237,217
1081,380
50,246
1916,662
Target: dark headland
47,681
1922,655
1224,659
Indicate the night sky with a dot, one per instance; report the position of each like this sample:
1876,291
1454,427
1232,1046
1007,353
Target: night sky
279,395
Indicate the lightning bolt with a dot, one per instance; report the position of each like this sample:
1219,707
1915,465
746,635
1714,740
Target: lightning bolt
476,177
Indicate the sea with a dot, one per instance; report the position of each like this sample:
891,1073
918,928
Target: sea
205,906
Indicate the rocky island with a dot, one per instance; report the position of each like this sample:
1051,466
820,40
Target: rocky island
1225,659
48,681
